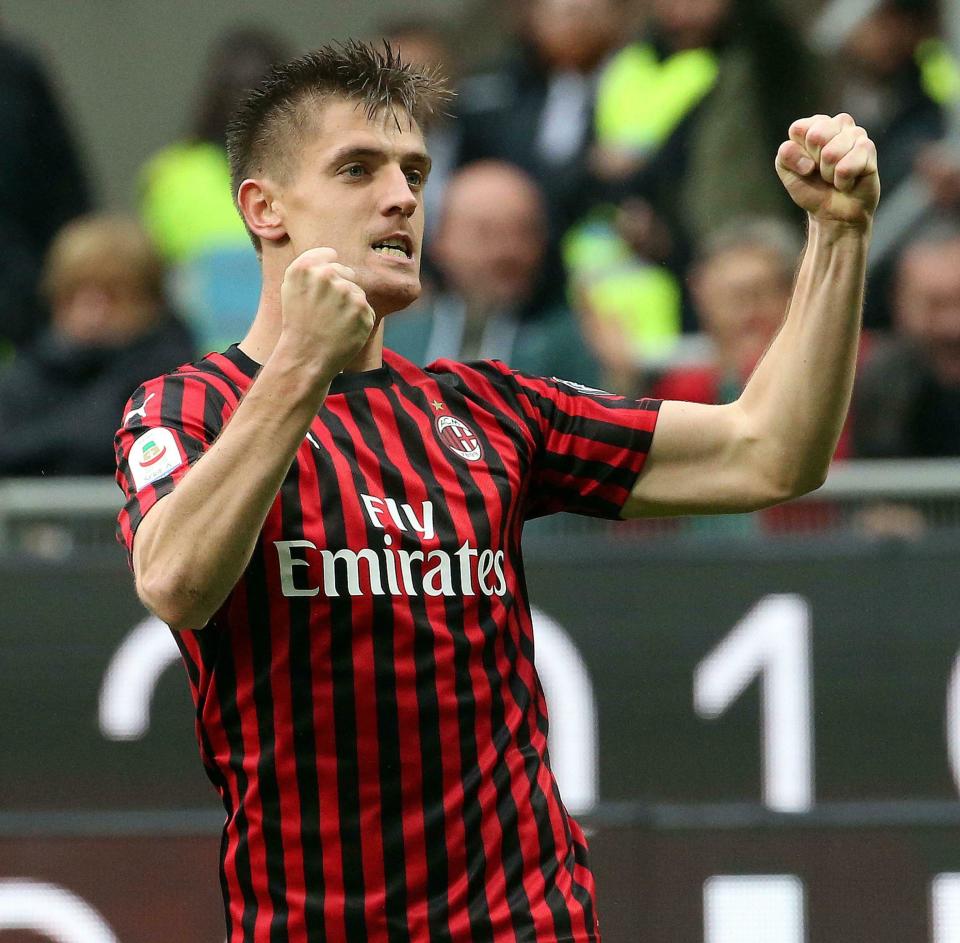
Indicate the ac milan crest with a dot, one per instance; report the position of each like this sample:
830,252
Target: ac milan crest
459,438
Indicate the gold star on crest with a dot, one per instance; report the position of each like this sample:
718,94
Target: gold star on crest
437,405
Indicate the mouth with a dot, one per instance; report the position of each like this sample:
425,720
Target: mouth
398,246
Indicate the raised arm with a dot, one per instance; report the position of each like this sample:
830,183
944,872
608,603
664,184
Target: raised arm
193,546
776,441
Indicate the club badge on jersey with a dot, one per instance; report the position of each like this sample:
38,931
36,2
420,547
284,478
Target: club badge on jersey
153,455
457,436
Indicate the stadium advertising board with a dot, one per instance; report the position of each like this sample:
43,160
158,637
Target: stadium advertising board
758,735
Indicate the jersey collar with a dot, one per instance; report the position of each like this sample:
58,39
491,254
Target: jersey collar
380,377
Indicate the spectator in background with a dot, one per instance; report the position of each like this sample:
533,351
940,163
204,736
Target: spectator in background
187,204
60,396
888,81
421,42
907,399
686,118
42,186
688,114
741,285
896,78
536,109
489,251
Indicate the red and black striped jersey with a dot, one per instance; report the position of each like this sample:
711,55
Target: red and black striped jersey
366,699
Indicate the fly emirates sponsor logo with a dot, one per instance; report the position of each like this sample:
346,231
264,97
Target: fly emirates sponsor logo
391,570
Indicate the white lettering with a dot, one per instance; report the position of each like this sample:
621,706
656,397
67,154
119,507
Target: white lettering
351,562
391,560
466,577
287,563
406,558
374,508
442,569
403,515
391,570
484,566
395,513
501,587
424,527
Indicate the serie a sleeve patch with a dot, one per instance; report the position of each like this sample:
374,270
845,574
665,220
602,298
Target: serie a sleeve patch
154,455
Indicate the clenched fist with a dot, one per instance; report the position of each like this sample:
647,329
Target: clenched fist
325,312
829,167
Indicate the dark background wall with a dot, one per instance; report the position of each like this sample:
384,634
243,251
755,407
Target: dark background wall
127,69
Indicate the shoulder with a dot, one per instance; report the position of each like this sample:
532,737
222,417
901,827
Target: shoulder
491,386
193,388
448,372
476,378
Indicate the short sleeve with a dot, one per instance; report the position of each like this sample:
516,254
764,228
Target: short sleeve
168,424
593,446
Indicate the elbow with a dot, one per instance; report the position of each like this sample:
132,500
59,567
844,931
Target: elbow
170,599
778,468
788,481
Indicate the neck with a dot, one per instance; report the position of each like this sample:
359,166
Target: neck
261,339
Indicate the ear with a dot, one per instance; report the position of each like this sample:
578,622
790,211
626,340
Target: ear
258,203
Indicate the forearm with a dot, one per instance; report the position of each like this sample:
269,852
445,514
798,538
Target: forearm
797,399
193,547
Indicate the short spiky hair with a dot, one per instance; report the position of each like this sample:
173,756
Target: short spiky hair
273,120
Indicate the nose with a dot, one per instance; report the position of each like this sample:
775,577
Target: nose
398,197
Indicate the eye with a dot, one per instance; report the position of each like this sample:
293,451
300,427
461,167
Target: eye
354,171
416,179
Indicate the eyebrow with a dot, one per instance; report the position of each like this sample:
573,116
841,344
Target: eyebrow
346,154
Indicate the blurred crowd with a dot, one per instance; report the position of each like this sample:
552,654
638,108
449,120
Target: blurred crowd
603,207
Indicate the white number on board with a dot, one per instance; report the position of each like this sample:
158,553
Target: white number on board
772,641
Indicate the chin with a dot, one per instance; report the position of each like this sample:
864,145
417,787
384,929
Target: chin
386,298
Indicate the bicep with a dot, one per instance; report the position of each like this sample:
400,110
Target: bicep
704,459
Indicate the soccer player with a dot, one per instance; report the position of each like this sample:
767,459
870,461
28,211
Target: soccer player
334,533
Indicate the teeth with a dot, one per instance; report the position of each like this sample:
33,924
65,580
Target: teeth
391,250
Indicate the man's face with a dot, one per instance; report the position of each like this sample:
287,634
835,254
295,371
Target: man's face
491,238
574,34
928,305
103,313
690,23
358,184
741,295
883,43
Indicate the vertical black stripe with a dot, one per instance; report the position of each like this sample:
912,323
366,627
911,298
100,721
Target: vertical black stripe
304,733
171,403
264,641
225,680
193,670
